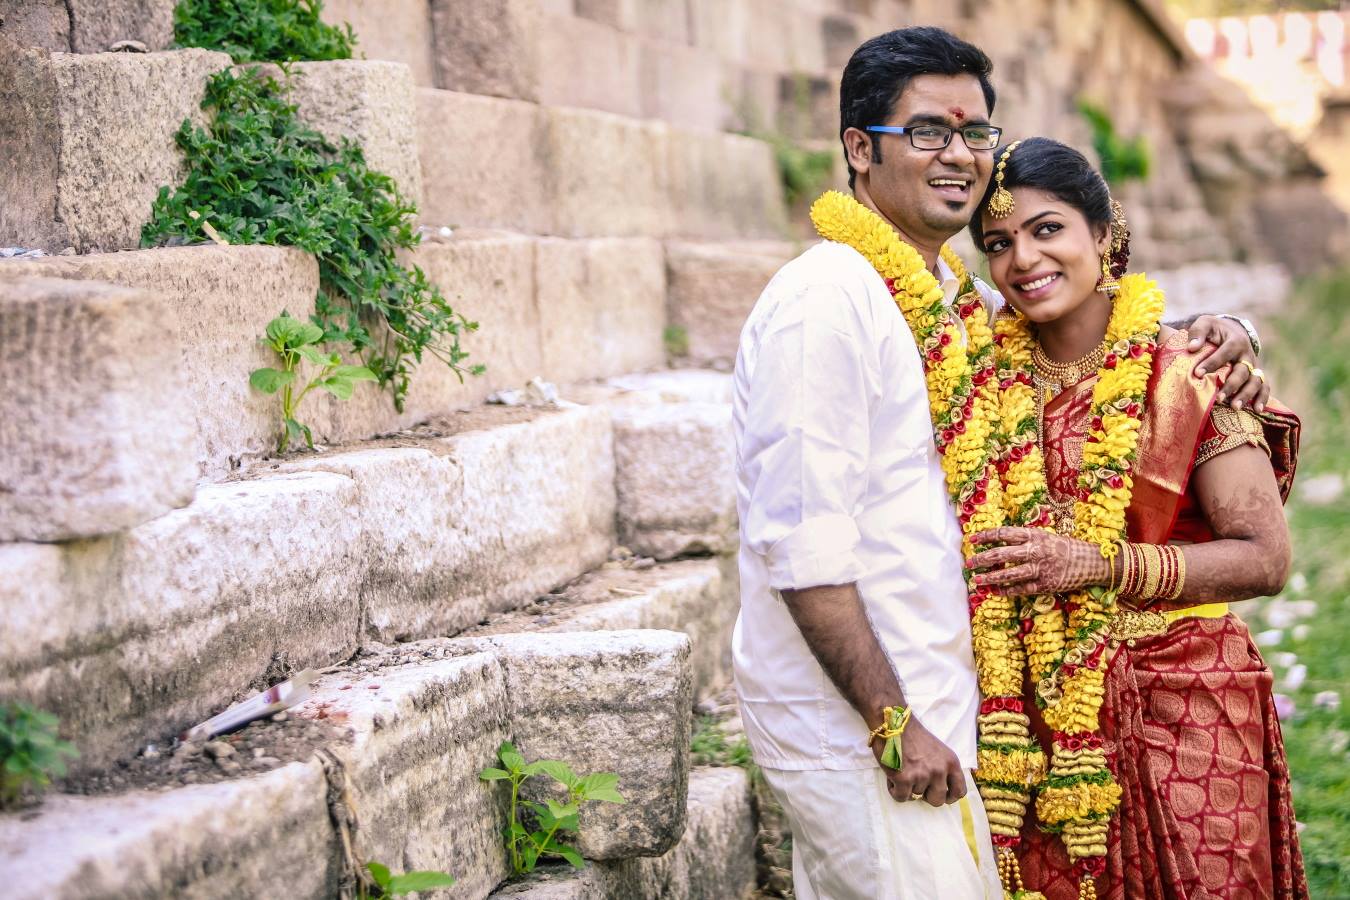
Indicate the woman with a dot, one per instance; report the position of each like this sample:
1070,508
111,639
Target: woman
1152,508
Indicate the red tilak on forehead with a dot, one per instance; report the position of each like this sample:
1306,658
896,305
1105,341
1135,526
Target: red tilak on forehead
957,113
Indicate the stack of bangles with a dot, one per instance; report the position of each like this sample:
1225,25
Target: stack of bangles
1148,572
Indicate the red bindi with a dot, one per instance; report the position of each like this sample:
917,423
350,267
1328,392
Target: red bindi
957,113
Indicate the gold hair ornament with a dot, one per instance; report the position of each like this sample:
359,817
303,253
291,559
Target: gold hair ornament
1001,204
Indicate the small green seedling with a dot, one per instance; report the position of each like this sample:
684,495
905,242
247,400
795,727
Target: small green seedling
293,340
31,754
391,885
550,817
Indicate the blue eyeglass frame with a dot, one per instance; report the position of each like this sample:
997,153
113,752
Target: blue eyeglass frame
906,129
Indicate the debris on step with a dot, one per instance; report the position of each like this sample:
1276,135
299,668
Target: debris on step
536,393
275,699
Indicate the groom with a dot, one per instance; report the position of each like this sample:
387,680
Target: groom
852,597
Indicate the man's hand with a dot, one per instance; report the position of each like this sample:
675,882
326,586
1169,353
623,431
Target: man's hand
931,771
834,624
1229,346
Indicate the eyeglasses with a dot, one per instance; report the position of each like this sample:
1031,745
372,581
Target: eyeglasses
935,137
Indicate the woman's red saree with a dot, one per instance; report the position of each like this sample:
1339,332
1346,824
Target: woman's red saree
1189,721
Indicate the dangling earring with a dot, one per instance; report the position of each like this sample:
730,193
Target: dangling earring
1108,284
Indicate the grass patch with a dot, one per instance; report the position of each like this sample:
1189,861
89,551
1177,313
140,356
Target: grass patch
1308,356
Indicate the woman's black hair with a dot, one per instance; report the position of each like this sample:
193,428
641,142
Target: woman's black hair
879,71
1057,169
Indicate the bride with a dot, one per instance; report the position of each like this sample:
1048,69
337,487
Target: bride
1144,508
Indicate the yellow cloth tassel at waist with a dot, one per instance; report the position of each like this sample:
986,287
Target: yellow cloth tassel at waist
1203,611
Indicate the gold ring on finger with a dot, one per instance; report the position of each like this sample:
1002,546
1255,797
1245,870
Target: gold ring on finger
1250,367
916,796
1259,373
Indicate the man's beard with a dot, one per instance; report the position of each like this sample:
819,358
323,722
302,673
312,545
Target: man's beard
951,219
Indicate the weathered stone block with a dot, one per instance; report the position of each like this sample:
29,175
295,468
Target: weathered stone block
151,631
93,438
466,143
666,19
723,186
490,278
486,522
372,103
587,64
219,301
92,167
422,727
715,860
98,24
609,702
583,150
393,30
490,47
713,287
698,597
675,477
87,26
682,85
669,386
601,306
238,838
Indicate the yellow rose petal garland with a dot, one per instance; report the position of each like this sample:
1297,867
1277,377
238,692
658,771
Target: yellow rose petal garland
1066,637
963,396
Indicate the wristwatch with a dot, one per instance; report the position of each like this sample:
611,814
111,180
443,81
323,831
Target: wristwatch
1248,327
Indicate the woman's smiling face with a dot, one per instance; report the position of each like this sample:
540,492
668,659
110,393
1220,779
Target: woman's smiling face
1045,258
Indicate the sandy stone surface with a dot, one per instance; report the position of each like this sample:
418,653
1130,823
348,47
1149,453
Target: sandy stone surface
93,433
675,476
96,132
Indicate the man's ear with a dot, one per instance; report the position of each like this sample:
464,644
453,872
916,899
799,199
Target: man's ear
858,146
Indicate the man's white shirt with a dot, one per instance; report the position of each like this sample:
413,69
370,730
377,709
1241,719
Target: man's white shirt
838,480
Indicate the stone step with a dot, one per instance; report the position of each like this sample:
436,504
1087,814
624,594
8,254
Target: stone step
140,634
699,597
715,860
87,26
409,728
676,181
711,289
92,439
565,310
96,133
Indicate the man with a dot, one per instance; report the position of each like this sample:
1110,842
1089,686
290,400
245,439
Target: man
852,596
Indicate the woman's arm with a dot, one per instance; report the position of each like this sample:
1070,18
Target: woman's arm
1249,557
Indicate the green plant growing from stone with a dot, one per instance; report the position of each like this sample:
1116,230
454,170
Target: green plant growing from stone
708,746
295,342
391,885
526,846
261,30
31,753
1122,160
256,175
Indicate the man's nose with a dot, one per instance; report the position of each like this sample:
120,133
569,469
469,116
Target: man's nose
956,153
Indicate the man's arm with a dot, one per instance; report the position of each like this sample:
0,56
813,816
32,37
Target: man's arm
1232,346
834,623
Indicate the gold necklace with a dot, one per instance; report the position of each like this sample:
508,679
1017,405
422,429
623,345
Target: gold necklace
1060,375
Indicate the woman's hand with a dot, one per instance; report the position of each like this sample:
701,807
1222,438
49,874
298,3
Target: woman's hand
1034,561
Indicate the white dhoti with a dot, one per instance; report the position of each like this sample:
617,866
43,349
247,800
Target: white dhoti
852,841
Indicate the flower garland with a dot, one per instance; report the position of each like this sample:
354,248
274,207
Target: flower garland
967,411
1066,636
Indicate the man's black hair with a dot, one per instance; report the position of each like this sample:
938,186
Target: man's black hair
880,70
1057,169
